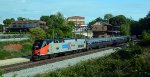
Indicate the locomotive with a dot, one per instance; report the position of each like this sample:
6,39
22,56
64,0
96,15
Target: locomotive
51,47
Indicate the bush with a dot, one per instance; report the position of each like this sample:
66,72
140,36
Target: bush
130,62
37,33
127,53
145,38
1,73
24,51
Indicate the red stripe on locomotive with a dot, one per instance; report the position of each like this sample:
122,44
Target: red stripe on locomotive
42,51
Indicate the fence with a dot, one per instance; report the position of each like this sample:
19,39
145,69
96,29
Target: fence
14,37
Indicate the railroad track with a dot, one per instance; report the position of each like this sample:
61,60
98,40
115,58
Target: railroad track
30,64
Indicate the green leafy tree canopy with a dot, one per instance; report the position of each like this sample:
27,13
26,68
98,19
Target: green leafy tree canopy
37,33
58,26
107,17
8,21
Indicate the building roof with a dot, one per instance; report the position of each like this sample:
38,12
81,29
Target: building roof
76,17
102,24
28,21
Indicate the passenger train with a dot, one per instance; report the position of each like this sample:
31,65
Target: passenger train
50,47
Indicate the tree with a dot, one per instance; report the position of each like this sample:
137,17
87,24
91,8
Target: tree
107,17
7,22
138,27
12,19
45,18
125,29
58,27
148,15
1,27
123,22
20,18
145,41
146,36
118,20
135,28
37,33
99,19
144,24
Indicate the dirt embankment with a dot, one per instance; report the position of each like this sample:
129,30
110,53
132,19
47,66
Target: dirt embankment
12,47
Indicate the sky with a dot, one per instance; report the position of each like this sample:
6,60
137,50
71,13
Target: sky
90,9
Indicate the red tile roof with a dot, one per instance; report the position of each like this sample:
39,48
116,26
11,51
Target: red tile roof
76,17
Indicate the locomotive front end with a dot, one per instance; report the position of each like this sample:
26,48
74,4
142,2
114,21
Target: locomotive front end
39,49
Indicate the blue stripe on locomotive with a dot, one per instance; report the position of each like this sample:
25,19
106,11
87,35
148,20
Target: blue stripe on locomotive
65,46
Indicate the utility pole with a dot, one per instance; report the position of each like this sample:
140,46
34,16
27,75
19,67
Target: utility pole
53,31
1,26
75,28
87,31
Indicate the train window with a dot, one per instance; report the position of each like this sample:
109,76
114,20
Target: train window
56,41
48,41
37,44
76,39
61,41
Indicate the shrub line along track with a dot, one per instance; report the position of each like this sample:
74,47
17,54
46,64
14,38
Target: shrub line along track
30,64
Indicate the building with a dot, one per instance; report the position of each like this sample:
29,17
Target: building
78,20
24,26
115,31
83,30
101,29
80,26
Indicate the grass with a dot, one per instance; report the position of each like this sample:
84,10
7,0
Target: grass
131,62
1,73
25,50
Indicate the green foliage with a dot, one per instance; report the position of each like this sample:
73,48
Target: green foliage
45,18
14,54
118,20
7,22
128,53
57,26
145,38
37,33
1,73
135,28
21,19
107,17
148,15
143,24
131,62
125,29
25,51
99,19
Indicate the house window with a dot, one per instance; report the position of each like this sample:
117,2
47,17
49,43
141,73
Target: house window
14,26
95,28
103,28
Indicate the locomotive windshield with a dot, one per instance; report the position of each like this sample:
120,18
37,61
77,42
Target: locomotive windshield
37,44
